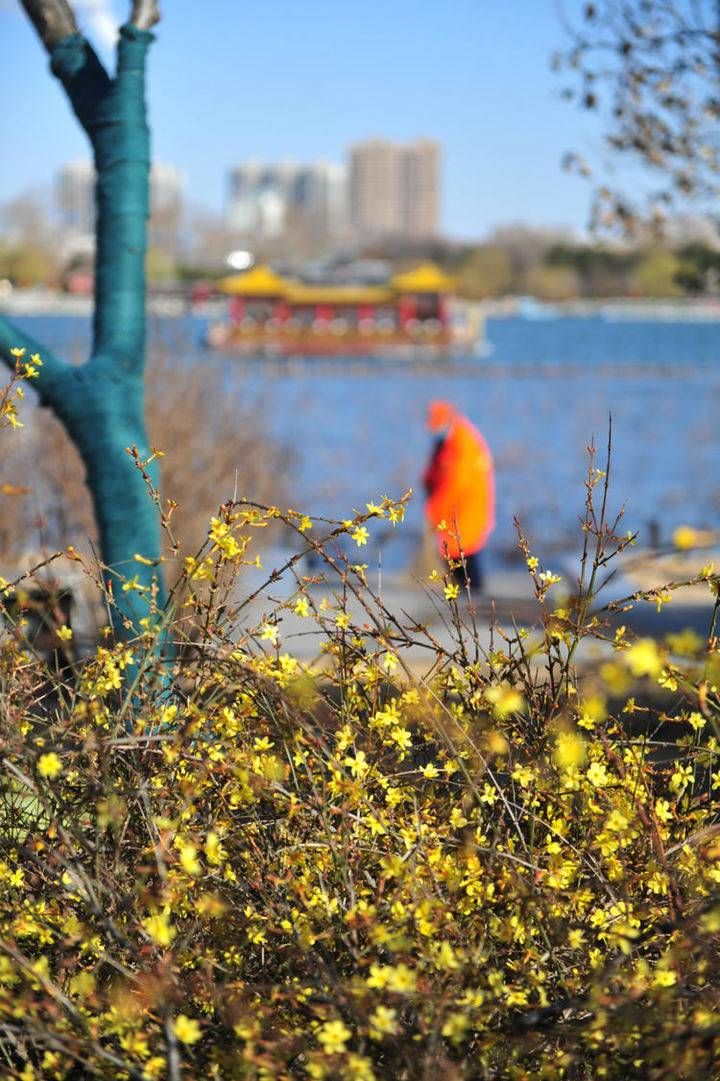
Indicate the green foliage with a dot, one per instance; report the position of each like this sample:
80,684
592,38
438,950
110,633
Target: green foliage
551,283
602,271
160,267
485,272
699,270
656,276
26,265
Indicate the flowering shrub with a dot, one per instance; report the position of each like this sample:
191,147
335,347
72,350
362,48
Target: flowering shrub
237,865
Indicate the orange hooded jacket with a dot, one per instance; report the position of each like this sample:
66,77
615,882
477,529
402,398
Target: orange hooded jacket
460,484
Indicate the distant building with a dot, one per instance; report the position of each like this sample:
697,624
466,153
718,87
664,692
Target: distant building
259,198
166,208
376,187
75,196
269,201
421,188
75,193
394,188
321,198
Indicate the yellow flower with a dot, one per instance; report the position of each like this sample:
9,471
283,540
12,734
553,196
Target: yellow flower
597,775
198,570
186,1029
213,848
569,750
49,765
188,858
401,737
358,765
302,608
664,977
383,1022
591,712
523,775
643,658
82,985
378,976
681,778
684,537
64,633
696,721
159,929
455,1027
504,700
549,579
451,591
269,632
402,979
616,822
360,535
333,1035
359,1068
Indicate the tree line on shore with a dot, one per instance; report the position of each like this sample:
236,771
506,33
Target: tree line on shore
513,261
562,270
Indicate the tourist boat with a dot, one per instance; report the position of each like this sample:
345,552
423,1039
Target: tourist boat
410,316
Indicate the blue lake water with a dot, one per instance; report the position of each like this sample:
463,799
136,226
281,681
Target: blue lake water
547,387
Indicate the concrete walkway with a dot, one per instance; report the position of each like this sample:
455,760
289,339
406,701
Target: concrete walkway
407,605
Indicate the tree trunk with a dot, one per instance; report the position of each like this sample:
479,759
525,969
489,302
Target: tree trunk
102,403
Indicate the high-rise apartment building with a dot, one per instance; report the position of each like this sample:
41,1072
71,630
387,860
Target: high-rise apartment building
268,201
420,188
75,196
394,188
376,205
320,197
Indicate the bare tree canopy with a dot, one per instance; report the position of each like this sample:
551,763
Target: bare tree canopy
652,70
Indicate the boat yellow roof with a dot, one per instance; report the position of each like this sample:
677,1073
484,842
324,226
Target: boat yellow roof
338,294
261,281
426,278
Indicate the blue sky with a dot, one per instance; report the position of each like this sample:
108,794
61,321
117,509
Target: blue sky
231,80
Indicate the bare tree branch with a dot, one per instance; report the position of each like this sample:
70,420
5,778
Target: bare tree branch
145,13
54,20
651,69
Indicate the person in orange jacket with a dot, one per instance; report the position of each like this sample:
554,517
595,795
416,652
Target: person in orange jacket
460,487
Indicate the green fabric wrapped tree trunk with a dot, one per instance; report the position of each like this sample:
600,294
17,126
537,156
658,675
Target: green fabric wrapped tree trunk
101,403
